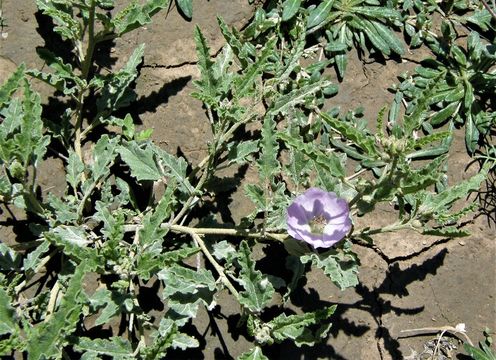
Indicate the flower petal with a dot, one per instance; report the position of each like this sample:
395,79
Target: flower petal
316,203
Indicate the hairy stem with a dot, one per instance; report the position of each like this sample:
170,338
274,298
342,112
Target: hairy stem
212,231
215,264
88,60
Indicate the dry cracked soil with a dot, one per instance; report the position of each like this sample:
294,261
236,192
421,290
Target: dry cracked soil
415,283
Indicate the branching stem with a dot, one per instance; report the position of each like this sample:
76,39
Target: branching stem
211,231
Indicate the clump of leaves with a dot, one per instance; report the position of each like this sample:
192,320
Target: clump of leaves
99,228
460,81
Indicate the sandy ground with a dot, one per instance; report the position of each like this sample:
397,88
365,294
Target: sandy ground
420,282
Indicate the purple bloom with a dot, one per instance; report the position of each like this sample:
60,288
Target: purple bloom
319,218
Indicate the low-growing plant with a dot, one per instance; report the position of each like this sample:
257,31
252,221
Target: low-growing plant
100,228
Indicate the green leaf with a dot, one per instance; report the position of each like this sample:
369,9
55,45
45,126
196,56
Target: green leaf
110,304
471,135
319,14
134,16
268,164
297,96
74,170
253,354
62,14
364,142
478,354
234,42
388,36
150,262
152,233
449,231
328,161
240,152
296,327
183,342
289,9
72,235
258,289
224,250
11,85
34,257
116,91
140,161
116,347
7,314
73,241
186,7
245,82
48,338
436,203
163,339
186,289
441,116
340,266
10,260
174,167
207,83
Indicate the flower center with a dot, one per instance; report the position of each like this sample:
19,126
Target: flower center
317,224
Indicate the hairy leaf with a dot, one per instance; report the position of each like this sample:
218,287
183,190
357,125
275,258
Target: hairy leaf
134,16
140,160
290,8
268,164
366,143
11,85
116,91
152,234
340,266
258,289
328,161
48,338
253,354
116,347
7,314
319,14
296,327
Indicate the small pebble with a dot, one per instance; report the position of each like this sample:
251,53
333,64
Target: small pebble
462,243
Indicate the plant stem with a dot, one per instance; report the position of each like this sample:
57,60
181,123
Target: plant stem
434,330
211,231
206,163
88,60
215,264
388,228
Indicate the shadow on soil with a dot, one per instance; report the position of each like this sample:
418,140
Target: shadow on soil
307,299
395,283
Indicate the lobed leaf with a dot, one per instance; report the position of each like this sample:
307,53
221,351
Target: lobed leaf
340,267
253,354
48,338
296,327
141,161
116,347
11,85
8,323
258,289
328,161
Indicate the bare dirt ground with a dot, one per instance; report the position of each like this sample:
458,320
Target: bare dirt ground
418,282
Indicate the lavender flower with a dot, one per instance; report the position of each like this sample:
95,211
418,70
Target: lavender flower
319,218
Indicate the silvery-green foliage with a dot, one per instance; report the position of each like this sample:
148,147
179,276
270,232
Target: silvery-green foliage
125,215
